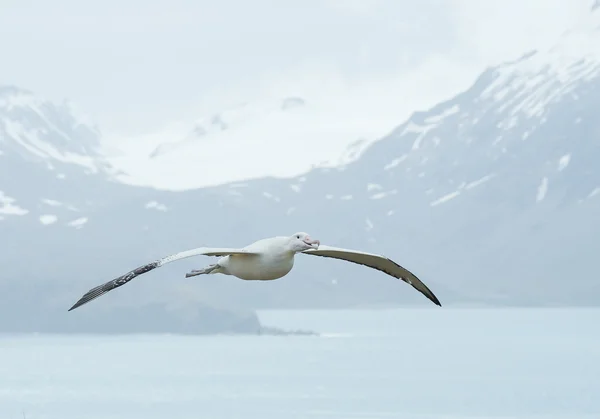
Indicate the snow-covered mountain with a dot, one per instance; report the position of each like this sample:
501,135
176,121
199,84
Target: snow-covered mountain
45,151
491,197
36,130
279,137
236,118
54,180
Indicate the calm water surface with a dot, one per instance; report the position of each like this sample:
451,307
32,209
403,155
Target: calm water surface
408,363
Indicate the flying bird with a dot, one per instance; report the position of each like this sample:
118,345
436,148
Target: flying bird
264,260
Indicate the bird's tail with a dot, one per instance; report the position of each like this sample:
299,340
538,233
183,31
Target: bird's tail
204,271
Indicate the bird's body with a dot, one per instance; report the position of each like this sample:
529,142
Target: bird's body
265,260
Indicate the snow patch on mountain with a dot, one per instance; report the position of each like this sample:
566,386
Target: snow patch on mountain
542,189
52,202
78,223
395,162
479,181
445,198
48,219
381,195
157,206
436,119
563,162
8,206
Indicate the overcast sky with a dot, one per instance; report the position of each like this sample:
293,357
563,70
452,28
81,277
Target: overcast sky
137,65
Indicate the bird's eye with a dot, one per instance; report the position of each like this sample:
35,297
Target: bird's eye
297,237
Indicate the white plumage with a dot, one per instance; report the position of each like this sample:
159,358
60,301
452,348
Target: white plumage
266,259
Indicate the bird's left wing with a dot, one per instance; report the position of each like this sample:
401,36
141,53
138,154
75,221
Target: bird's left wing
378,262
123,279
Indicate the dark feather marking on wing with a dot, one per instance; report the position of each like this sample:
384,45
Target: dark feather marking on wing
115,283
429,294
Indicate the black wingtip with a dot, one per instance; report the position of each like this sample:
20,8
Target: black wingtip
115,283
429,295
90,295
77,304
434,299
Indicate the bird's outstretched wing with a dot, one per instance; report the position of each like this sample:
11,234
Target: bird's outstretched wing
123,279
378,262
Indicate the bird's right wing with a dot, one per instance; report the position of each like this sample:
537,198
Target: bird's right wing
123,279
379,262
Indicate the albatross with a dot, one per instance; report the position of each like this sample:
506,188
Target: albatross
265,260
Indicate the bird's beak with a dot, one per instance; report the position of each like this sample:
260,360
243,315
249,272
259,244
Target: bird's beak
312,243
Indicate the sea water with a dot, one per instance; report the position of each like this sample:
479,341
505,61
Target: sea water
426,363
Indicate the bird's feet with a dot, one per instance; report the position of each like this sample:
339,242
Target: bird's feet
209,269
195,272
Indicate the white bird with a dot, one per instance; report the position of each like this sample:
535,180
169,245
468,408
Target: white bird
265,260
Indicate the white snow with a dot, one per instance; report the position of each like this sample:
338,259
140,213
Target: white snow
563,162
595,192
268,141
296,188
79,222
479,181
542,189
422,132
52,202
29,139
445,198
346,197
290,210
390,212
395,162
8,207
446,113
351,153
529,85
373,186
155,205
380,195
48,219
369,224
328,196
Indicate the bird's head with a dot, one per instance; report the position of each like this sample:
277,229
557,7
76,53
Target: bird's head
300,242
